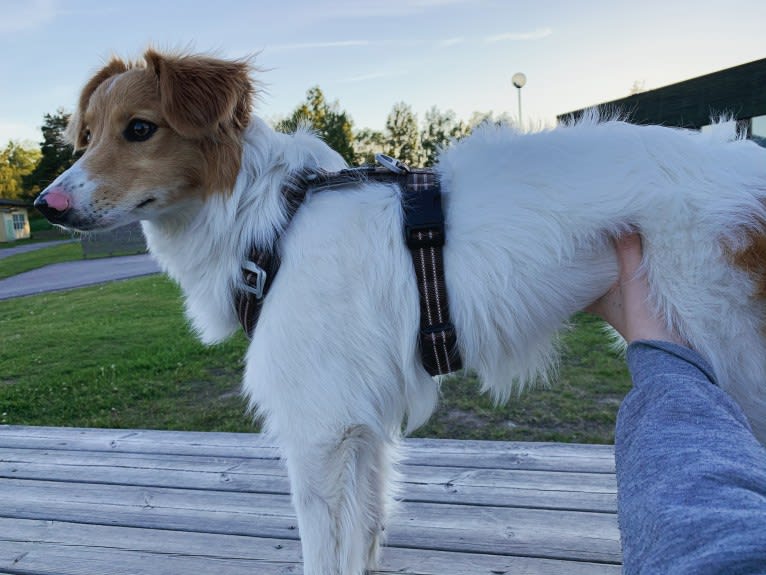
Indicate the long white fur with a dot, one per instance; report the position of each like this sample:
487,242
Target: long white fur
333,366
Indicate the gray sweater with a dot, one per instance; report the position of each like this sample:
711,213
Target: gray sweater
691,475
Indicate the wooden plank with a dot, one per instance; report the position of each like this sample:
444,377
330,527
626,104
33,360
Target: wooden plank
446,453
202,472
511,455
511,488
551,534
583,536
519,488
252,445
75,549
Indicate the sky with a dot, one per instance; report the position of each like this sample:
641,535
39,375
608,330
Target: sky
368,55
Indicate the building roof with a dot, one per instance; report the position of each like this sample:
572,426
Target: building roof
14,204
734,92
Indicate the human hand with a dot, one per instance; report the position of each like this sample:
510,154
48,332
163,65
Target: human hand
626,305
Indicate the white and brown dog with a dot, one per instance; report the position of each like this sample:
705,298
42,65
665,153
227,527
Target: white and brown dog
333,365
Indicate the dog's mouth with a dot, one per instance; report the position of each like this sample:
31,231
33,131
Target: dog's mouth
145,203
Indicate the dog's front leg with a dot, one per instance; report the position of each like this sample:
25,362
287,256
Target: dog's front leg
340,487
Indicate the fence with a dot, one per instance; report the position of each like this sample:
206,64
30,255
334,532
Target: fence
127,239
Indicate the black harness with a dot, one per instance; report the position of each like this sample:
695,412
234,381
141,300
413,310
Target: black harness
424,235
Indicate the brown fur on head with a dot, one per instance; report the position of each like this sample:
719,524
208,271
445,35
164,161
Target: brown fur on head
75,132
200,106
752,259
198,93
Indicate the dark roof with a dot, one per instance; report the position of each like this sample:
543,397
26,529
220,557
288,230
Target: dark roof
735,92
14,203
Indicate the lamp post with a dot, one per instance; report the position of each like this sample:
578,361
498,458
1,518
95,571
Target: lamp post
519,79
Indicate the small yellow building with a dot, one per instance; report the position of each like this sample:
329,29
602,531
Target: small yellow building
14,220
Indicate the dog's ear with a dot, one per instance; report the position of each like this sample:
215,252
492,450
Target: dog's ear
198,93
75,131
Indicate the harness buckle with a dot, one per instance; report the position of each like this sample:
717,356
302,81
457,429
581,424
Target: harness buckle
255,279
392,164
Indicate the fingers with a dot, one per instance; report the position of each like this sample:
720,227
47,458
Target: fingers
628,250
629,255
626,306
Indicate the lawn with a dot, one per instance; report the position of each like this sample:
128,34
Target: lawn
581,406
121,355
19,263
115,355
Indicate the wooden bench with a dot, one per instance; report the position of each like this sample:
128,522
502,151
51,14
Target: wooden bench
135,502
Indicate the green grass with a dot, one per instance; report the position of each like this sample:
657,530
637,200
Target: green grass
121,355
580,406
19,263
116,355
39,225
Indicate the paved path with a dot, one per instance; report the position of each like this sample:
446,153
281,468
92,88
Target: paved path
6,252
68,275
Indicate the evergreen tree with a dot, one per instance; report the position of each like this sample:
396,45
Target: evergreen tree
367,143
56,156
440,128
329,122
478,118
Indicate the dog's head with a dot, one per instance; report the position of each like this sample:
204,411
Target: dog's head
154,135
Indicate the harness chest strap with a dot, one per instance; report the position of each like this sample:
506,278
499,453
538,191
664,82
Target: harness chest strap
424,233
425,237
262,263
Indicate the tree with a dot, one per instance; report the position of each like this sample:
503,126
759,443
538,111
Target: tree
329,122
439,129
367,143
402,137
16,162
56,156
479,118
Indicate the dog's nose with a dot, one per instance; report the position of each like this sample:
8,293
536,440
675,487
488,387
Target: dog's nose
54,203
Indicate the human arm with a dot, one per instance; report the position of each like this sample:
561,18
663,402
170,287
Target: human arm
691,476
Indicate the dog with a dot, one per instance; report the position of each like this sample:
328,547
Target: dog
333,366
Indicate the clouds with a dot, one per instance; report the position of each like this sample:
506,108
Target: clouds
318,45
447,42
390,8
536,34
379,75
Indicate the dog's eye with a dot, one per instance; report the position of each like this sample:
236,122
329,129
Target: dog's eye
139,130
86,136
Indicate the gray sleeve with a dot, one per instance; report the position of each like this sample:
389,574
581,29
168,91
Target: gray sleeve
691,475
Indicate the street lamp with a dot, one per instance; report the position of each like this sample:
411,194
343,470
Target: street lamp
519,79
